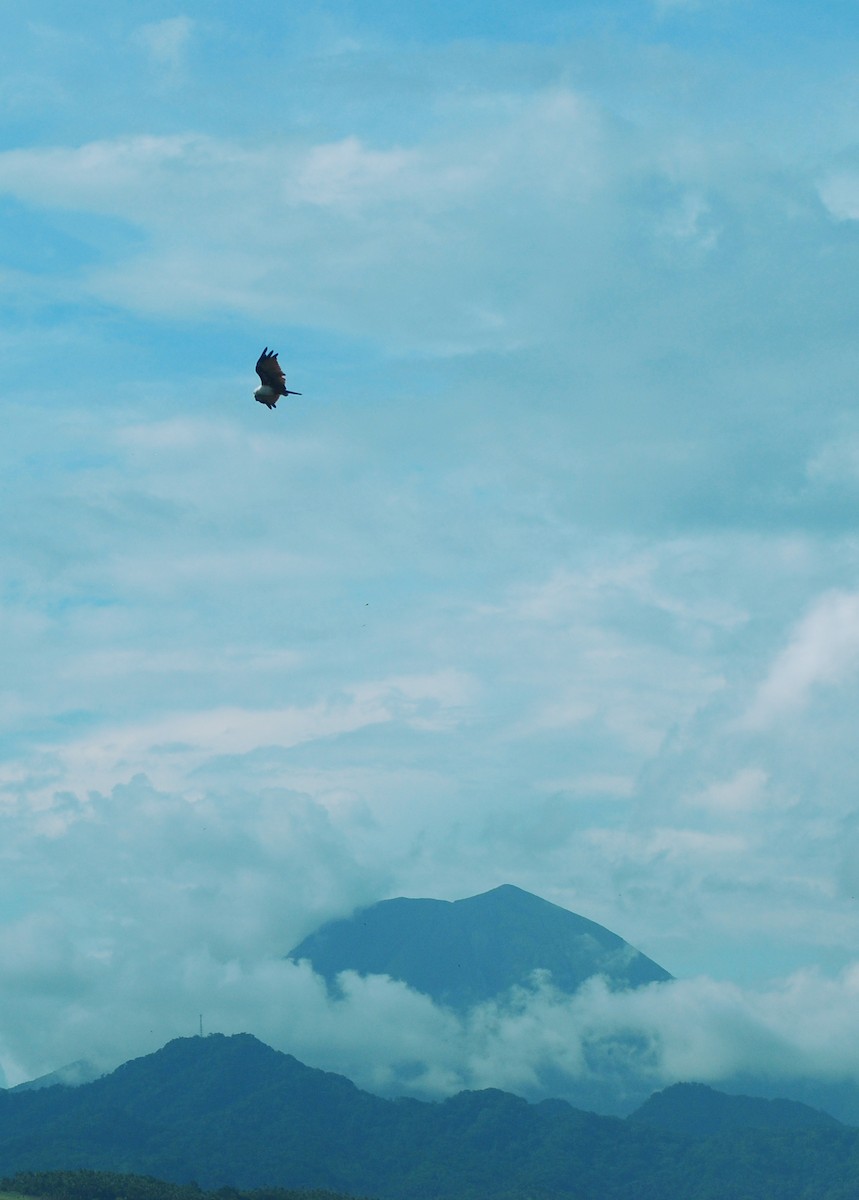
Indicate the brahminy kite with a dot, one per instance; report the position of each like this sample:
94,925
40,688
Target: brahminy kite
272,380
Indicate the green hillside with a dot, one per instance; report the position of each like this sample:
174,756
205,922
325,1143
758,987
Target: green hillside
231,1113
697,1109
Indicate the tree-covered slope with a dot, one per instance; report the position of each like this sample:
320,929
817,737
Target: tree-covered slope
231,1112
698,1109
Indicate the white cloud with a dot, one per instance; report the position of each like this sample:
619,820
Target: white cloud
823,650
672,843
836,462
690,226
333,233
745,791
347,175
839,191
166,41
172,746
651,579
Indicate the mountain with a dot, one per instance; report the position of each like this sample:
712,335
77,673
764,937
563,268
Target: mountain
218,1110
697,1109
463,952
230,1112
71,1075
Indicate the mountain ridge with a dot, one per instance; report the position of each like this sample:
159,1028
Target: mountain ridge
698,1109
229,1111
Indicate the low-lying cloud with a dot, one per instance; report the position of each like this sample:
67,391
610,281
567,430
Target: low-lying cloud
140,911
597,1048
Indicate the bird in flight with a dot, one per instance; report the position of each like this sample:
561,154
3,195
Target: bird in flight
272,380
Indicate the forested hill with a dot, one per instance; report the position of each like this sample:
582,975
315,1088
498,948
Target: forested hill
231,1112
697,1109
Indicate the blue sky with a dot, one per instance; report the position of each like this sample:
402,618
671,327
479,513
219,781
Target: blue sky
550,577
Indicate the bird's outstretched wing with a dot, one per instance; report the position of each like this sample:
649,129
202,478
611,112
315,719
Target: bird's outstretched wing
270,373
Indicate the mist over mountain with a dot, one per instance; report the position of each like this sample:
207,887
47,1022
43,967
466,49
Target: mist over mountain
507,990
567,1001
463,952
71,1075
232,1112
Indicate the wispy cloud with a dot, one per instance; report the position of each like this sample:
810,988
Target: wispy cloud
166,41
823,650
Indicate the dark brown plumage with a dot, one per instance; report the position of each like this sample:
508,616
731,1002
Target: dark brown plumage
272,380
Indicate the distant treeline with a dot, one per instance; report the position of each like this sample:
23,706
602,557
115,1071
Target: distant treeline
109,1185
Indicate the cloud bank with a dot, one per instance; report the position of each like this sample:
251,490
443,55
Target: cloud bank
141,910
